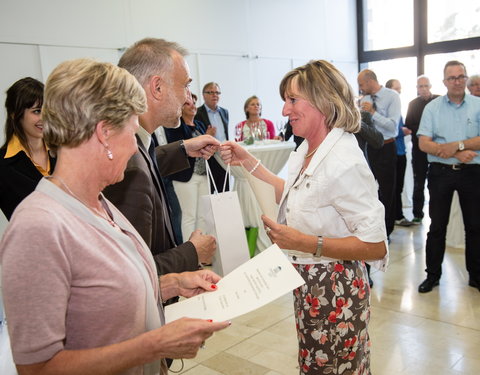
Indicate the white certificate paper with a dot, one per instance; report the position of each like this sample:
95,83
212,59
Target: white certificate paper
265,194
262,279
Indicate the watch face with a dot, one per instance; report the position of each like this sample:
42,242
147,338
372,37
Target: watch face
461,146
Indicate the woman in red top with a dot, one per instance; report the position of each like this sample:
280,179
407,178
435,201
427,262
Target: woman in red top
254,125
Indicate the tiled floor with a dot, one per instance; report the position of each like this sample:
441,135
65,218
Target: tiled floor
435,333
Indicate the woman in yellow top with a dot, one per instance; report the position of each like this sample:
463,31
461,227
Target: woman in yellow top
24,157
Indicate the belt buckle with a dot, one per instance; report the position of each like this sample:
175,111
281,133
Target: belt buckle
456,167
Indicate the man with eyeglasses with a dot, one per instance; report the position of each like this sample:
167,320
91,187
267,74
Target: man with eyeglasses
473,85
419,158
450,134
215,119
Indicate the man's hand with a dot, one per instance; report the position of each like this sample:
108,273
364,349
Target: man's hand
203,146
465,156
211,130
205,245
447,150
406,131
368,106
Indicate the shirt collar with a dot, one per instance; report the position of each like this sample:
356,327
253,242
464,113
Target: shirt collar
211,110
447,99
14,147
145,137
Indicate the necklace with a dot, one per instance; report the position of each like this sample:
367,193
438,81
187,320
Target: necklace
311,153
97,212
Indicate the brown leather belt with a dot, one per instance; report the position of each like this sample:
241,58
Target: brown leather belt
389,140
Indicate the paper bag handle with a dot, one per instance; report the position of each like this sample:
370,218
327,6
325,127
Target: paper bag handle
210,177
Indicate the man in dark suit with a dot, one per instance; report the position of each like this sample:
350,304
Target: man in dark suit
215,118
161,69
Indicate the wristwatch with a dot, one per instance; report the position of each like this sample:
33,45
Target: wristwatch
318,253
461,146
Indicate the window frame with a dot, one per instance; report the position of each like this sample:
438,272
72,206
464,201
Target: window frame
420,47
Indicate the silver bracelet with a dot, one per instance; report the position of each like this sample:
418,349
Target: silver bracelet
319,250
256,166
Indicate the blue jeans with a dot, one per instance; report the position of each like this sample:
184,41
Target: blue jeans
442,182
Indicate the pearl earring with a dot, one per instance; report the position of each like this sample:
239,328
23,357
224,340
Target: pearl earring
109,152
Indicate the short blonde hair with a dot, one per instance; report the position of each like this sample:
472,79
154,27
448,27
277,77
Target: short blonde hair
81,93
325,87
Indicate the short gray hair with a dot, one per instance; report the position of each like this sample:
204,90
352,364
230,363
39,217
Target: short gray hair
473,78
149,57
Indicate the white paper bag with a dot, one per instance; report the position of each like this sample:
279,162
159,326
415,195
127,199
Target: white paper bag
223,220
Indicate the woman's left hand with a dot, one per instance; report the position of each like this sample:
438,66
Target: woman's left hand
192,283
286,237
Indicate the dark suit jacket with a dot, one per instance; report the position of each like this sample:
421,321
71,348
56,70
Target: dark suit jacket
184,131
18,178
141,198
217,170
202,116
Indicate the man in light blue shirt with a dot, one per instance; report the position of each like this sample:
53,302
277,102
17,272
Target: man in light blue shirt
384,105
450,134
214,117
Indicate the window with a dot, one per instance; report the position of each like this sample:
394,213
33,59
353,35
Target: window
434,66
405,70
430,31
380,31
450,21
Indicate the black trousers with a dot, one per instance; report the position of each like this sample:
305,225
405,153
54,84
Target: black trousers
401,166
420,168
442,182
383,163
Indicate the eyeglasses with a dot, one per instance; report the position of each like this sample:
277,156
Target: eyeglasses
212,92
459,79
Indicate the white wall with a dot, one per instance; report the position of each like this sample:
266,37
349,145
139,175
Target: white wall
245,45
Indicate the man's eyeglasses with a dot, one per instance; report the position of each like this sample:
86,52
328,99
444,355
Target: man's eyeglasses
452,79
212,92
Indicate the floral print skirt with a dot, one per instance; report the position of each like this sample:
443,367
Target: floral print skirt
332,312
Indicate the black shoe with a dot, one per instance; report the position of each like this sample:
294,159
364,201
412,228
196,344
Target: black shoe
474,283
370,282
427,285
